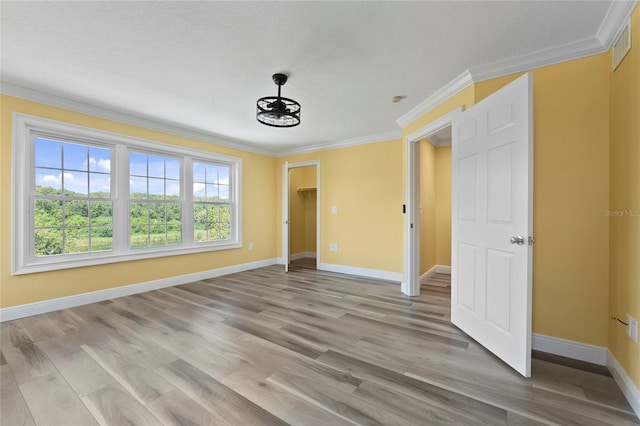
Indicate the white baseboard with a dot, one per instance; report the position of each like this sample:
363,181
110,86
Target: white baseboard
629,389
303,255
365,272
29,309
443,269
436,269
570,349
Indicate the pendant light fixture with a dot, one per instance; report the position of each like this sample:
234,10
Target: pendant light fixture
277,111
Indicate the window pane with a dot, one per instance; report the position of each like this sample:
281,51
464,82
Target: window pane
48,213
213,214
223,175
139,236
101,213
75,183
225,213
156,213
214,231
173,189
200,232
199,191
172,168
48,241
174,234
158,235
138,187
156,188
224,192
212,192
76,240
212,173
138,214
48,182
199,172
156,166
76,213
100,184
137,164
48,153
99,160
75,157
225,231
200,213
174,213
101,238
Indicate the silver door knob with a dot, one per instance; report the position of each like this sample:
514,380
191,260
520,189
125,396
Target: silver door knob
519,240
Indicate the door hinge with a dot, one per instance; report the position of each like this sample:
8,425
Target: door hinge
531,241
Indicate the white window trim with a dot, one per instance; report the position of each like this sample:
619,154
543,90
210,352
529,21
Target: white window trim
22,169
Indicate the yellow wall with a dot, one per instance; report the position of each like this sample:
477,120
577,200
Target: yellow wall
428,173
258,178
443,205
365,183
624,240
297,215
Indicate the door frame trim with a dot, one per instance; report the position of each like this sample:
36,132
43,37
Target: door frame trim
411,273
286,166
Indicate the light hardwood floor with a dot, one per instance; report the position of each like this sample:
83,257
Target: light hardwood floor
264,347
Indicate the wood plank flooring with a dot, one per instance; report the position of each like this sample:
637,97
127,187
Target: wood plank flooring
267,348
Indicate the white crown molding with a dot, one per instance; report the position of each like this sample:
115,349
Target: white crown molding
538,59
126,118
629,389
364,140
459,83
30,309
614,22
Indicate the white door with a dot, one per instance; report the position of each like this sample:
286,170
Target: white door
285,215
492,220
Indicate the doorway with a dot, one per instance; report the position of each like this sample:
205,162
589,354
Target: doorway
413,257
435,204
301,215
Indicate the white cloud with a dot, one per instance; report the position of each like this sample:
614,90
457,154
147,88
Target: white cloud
224,181
102,163
55,180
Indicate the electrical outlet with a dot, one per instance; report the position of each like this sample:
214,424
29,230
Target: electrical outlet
334,209
333,247
632,328
250,246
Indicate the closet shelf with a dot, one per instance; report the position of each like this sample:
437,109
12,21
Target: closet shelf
306,189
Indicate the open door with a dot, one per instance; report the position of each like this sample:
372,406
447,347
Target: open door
285,215
492,222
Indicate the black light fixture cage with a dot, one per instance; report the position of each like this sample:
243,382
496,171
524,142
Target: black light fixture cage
277,111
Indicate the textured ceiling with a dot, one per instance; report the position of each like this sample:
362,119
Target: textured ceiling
202,65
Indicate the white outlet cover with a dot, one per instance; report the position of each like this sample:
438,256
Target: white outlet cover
334,209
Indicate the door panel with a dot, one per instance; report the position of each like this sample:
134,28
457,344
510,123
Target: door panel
492,182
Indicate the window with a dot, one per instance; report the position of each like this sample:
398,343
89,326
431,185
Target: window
72,198
85,197
212,206
155,208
